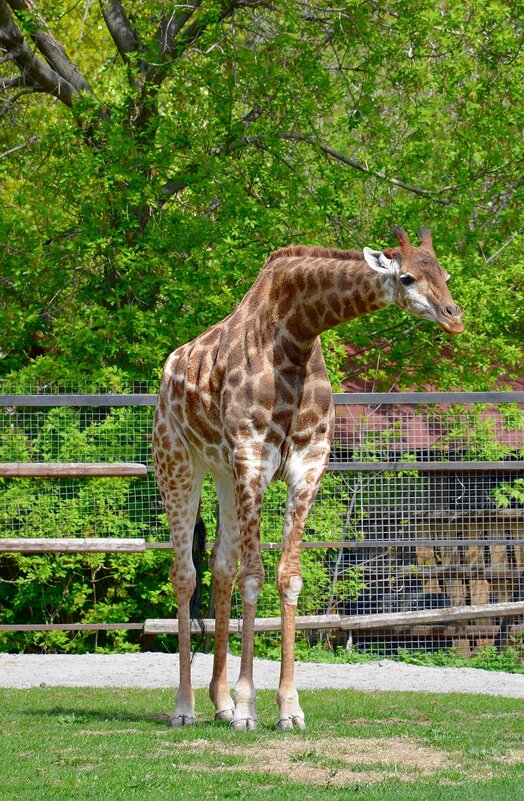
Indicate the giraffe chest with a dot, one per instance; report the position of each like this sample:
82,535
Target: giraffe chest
227,407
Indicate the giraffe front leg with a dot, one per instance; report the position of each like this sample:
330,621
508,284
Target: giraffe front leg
291,715
250,584
289,580
218,688
250,483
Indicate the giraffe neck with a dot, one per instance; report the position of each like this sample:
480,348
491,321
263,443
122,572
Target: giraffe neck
308,296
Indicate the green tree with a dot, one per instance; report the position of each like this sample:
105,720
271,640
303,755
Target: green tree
155,152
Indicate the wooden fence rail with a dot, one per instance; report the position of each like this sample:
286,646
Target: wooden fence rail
303,622
72,545
351,622
71,469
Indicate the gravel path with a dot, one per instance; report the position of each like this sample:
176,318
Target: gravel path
155,670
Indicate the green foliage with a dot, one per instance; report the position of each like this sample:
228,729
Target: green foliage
82,588
510,660
507,492
143,212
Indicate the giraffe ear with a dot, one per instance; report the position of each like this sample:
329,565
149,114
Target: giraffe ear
379,262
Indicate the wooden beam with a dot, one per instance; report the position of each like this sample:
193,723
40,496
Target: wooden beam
451,571
72,627
70,469
170,626
72,545
353,622
450,631
392,619
340,398
378,398
397,542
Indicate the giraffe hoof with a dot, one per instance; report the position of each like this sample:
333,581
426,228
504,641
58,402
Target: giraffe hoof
243,724
225,715
182,720
292,722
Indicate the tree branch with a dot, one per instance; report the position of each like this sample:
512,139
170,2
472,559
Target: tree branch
118,25
16,82
43,76
18,147
7,57
8,105
329,151
171,25
173,38
51,49
175,185
497,253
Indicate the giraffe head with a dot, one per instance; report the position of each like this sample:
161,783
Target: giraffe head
417,282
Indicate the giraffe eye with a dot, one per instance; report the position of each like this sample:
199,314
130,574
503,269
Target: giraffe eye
407,279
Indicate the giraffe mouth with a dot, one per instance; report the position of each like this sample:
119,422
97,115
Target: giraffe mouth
453,326
449,318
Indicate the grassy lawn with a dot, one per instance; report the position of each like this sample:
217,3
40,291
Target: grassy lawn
108,744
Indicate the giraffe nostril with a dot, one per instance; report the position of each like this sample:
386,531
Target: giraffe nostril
452,311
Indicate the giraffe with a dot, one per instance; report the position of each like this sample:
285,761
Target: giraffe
249,401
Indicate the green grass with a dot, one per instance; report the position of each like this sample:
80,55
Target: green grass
58,744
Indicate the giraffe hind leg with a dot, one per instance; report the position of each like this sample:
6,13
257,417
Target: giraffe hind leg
224,565
180,483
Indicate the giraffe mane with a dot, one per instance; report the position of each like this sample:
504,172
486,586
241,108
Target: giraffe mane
315,252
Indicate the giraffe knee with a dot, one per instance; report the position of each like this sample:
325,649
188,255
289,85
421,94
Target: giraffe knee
183,579
223,564
250,586
289,588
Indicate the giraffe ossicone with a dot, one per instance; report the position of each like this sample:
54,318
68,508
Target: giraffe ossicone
249,401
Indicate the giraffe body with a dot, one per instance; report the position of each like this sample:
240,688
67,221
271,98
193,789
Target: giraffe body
250,401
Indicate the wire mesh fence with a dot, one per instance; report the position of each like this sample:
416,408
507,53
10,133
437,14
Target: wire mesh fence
422,507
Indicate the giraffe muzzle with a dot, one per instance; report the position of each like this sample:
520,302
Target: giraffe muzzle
450,319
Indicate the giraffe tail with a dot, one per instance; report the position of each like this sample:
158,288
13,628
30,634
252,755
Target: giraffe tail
195,604
199,545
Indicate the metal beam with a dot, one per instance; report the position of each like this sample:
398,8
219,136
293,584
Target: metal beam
378,398
340,398
426,467
65,399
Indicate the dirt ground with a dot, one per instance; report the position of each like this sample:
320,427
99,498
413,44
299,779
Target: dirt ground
155,670
329,762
